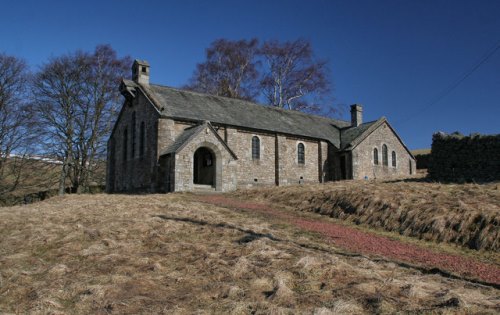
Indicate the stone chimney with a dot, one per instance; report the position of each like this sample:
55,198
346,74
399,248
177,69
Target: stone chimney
140,71
356,115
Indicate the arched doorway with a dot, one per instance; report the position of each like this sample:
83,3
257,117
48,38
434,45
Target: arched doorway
204,167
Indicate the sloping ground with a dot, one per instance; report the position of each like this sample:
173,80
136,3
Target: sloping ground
421,151
466,214
369,243
31,180
116,254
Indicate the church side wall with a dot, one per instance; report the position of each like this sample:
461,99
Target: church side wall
363,157
278,158
324,161
295,173
333,164
131,170
252,172
225,172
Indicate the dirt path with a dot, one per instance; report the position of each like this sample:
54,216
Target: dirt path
370,244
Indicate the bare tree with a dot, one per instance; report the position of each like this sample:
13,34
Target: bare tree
292,77
230,70
75,102
96,112
13,117
56,95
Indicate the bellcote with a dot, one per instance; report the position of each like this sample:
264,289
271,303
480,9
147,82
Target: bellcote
140,71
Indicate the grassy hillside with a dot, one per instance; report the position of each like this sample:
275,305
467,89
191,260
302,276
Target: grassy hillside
24,180
148,254
467,215
22,176
421,151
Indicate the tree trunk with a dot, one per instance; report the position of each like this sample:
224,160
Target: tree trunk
62,179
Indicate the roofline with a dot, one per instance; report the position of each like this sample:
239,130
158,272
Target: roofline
253,104
368,122
365,134
248,128
116,121
374,127
157,106
201,129
186,141
124,104
150,98
401,140
330,121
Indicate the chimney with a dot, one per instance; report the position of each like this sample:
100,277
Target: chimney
356,115
140,71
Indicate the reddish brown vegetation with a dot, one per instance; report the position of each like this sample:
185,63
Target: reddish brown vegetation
169,254
467,215
363,242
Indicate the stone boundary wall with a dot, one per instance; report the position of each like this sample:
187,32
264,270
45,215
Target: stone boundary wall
455,157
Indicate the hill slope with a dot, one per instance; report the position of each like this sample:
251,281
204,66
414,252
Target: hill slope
464,214
120,254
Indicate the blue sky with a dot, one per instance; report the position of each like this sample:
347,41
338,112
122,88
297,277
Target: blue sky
394,57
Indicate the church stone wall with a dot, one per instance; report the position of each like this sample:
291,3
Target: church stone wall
323,162
278,159
135,172
278,163
295,173
254,172
363,160
225,164
166,134
179,127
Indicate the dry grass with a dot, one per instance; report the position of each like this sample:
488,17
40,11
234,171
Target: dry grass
149,254
463,214
421,151
29,180
28,176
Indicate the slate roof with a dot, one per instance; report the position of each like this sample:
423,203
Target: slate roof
182,104
351,134
183,138
190,133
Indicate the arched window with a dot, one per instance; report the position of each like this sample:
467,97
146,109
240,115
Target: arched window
125,142
393,158
255,148
301,154
132,153
385,158
375,156
142,139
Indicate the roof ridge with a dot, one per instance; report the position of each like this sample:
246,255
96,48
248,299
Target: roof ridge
261,105
365,123
359,138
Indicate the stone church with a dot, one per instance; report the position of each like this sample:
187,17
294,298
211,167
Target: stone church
166,139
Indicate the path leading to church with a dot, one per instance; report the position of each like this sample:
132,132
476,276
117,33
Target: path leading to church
375,246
